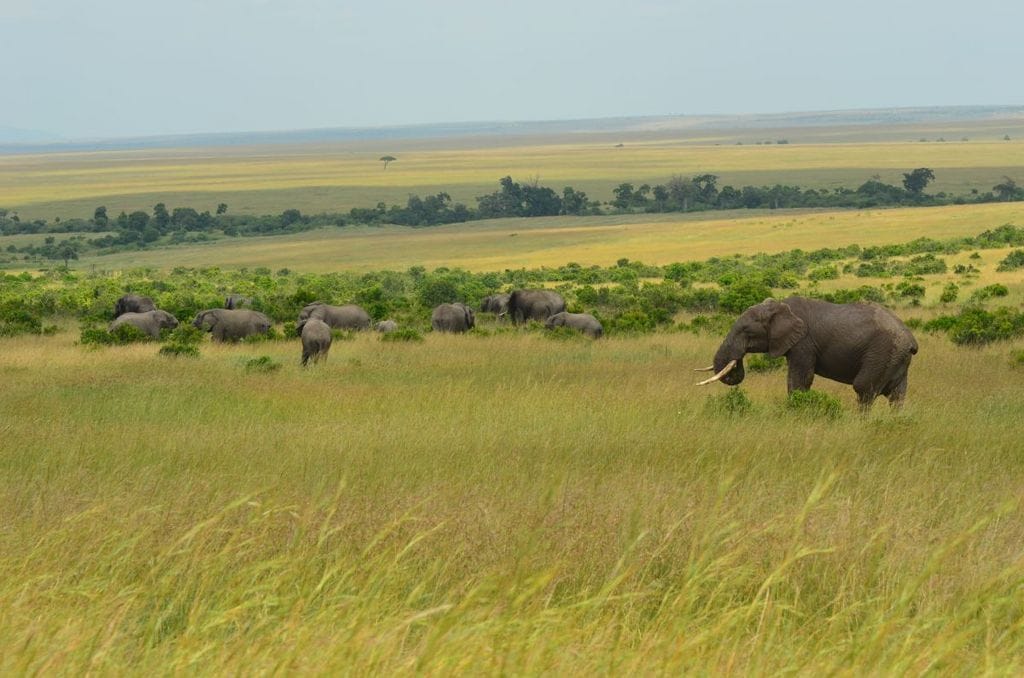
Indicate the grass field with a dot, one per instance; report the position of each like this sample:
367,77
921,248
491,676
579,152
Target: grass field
333,177
514,243
502,504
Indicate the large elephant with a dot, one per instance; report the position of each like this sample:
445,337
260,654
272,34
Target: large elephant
349,317
386,326
496,304
862,344
581,322
133,303
453,318
235,301
316,340
150,322
231,325
527,305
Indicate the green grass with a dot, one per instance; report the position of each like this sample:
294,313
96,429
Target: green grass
572,507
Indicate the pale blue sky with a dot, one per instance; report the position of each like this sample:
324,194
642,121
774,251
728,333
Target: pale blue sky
135,67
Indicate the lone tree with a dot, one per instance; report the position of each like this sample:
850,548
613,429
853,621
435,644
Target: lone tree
915,182
222,208
386,159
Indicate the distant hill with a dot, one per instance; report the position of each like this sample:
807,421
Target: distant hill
27,141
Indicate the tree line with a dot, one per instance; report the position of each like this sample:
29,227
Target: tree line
141,229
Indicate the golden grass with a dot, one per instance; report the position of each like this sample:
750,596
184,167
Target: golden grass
502,504
515,243
333,177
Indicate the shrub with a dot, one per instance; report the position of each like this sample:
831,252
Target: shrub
949,293
977,327
744,293
823,273
179,350
714,324
183,342
631,321
989,292
814,404
733,403
15,321
1012,262
404,334
121,335
1017,358
264,364
762,363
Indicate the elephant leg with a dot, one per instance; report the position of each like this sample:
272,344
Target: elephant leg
801,374
898,394
866,391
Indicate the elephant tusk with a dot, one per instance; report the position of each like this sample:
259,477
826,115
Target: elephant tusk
709,368
725,370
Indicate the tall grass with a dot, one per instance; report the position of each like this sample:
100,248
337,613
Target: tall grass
501,504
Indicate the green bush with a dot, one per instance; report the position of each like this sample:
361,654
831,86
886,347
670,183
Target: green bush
1017,358
1012,262
264,364
631,321
762,363
814,404
744,293
989,292
15,321
121,335
404,334
733,403
179,350
949,293
182,342
823,273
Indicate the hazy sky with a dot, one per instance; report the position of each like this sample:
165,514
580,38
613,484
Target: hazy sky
80,68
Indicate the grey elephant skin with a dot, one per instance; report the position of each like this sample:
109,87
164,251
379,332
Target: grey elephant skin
496,304
861,344
316,340
581,322
453,318
386,326
235,301
348,317
150,322
231,325
527,305
133,303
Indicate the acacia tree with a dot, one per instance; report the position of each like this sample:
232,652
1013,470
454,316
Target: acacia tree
386,159
915,182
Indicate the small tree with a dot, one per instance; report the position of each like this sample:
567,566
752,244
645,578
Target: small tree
386,159
915,182
1008,190
222,208
99,217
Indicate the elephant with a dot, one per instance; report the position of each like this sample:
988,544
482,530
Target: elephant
235,301
150,322
582,322
232,324
455,317
385,326
133,303
316,340
496,304
527,305
862,344
348,317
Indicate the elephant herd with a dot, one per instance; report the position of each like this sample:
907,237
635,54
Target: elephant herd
861,344
317,320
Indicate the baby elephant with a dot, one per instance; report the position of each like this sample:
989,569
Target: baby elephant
316,339
150,322
581,322
385,326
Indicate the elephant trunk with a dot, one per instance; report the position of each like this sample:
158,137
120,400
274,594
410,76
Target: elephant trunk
732,349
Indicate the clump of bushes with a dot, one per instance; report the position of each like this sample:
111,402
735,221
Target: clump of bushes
15,321
975,326
733,403
263,363
1012,262
121,335
762,363
815,404
183,342
989,292
949,293
403,334
823,273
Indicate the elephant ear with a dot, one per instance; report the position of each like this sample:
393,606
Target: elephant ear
784,330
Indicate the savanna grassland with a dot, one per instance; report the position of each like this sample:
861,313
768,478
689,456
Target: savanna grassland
333,177
507,501
501,504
